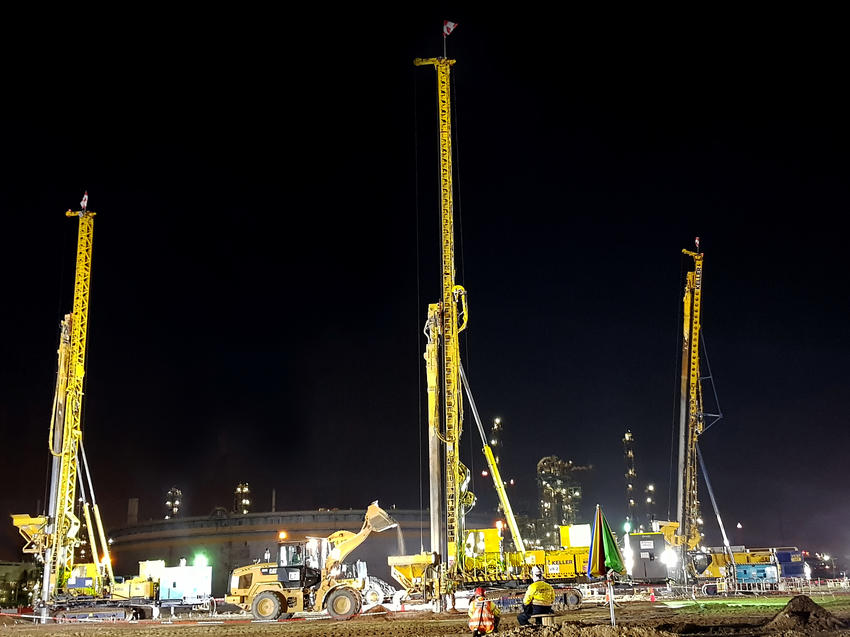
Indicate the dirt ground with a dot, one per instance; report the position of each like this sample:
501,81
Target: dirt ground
800,616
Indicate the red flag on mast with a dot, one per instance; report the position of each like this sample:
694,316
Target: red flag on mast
448,27
85,200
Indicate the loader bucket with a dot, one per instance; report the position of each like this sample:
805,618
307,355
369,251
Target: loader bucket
379,519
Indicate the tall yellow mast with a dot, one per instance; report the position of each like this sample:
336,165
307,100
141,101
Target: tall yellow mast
691,411
446,425
54,536
66,523
442,324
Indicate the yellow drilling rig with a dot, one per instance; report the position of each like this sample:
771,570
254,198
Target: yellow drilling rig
686,532
443,325
53,537
461,557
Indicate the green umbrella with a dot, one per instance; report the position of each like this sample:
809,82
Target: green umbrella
604,552
605,557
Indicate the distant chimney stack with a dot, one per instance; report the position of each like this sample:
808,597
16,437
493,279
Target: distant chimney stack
133,512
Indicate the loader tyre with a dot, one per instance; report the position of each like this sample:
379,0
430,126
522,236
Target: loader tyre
372,595
343,603
268,605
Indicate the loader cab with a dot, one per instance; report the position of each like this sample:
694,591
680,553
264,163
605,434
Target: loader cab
299,564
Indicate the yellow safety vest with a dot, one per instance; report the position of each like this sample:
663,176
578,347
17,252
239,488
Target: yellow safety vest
540,593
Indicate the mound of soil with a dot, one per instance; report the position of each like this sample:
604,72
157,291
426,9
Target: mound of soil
802,614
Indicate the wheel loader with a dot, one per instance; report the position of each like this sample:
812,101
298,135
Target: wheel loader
306,576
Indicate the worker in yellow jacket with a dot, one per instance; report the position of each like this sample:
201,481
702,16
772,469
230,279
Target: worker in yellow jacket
538,598
483,614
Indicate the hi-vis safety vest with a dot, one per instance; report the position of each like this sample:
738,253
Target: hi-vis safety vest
540,593
481,616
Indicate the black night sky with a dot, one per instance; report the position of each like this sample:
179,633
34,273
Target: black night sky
267,243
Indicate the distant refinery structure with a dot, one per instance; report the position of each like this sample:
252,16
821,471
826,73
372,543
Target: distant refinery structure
495,445
559,500
173,500
634,521
242,499
496,438
631,477
559,494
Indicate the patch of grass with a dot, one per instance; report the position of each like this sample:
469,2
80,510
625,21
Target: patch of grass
732,605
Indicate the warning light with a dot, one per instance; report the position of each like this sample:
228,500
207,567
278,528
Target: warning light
282,535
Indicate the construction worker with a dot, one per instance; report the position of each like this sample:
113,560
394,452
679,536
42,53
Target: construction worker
483,614
538,598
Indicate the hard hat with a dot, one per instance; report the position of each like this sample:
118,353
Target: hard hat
479,591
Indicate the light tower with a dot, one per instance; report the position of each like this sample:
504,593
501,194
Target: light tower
495,441
173,500
242,499
631,476
649,494
496,438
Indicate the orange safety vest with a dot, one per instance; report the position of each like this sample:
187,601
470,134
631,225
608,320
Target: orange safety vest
481,616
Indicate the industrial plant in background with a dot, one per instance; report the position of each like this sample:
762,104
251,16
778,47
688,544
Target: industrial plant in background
496,432
559,500
173,502
634,520
242,499
559,494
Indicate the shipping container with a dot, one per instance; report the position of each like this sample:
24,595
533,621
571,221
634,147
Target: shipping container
756,574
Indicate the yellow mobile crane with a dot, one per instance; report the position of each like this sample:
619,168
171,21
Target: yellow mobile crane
52,538
445,375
